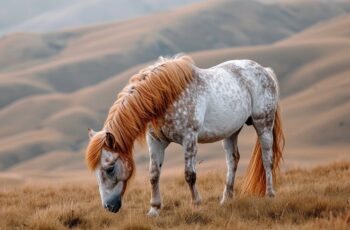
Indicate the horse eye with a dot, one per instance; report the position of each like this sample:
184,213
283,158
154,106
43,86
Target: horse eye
110,170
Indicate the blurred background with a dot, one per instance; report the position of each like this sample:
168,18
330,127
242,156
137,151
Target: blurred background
63,62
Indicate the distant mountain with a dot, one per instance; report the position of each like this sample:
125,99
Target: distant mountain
65,61
14,12
41,15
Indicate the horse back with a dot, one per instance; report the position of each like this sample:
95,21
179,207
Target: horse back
260,81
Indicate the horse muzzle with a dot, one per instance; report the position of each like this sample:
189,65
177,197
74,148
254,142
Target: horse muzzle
113,204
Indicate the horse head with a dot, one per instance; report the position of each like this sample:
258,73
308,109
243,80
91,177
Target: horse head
112,169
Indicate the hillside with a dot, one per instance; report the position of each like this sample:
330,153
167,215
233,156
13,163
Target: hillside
52,100
16,11
69,60
41,15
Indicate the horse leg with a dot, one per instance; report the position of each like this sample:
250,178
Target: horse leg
232,159
156,151
190,147
264,128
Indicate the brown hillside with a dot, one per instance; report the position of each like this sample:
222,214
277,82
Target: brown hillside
69,60
313,78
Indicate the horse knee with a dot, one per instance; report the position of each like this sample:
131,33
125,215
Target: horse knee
154,177
190,177
154,180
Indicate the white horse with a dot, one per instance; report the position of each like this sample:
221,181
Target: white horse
175,101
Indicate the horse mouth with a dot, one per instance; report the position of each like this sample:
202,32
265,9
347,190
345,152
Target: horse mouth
114,210
113,206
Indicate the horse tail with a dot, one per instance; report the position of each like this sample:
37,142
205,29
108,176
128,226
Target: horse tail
254,182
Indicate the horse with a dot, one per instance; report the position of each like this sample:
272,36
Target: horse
173,100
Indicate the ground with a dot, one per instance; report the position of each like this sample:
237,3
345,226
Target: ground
306,199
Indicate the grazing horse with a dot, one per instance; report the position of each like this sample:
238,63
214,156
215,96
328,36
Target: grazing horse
175,101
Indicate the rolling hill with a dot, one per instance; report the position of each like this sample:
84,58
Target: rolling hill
74,84
68,60
43,16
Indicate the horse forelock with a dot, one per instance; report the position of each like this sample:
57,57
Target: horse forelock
93,151
146,98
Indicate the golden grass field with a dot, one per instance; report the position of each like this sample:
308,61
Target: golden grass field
306,199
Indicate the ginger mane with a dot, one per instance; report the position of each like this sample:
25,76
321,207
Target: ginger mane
146,98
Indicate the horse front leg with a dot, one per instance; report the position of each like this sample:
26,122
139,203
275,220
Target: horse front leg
232,159
190,147
156,152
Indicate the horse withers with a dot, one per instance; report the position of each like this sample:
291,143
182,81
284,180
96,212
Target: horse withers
175,101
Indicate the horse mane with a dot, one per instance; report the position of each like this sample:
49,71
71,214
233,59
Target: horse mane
146,98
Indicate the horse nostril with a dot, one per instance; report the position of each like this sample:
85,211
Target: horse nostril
109,206
113,204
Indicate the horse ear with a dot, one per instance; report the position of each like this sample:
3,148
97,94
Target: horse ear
91,132
110,141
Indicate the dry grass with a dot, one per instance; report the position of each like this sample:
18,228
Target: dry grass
313,199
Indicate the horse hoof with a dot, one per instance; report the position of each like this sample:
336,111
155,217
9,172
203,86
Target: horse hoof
153,212
271,194
223,200
197,201
225,197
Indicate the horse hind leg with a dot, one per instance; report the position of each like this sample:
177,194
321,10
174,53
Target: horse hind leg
263,125
232,159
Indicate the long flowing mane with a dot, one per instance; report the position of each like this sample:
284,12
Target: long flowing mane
144,99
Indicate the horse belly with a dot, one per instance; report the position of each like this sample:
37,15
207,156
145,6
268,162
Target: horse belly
227,107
